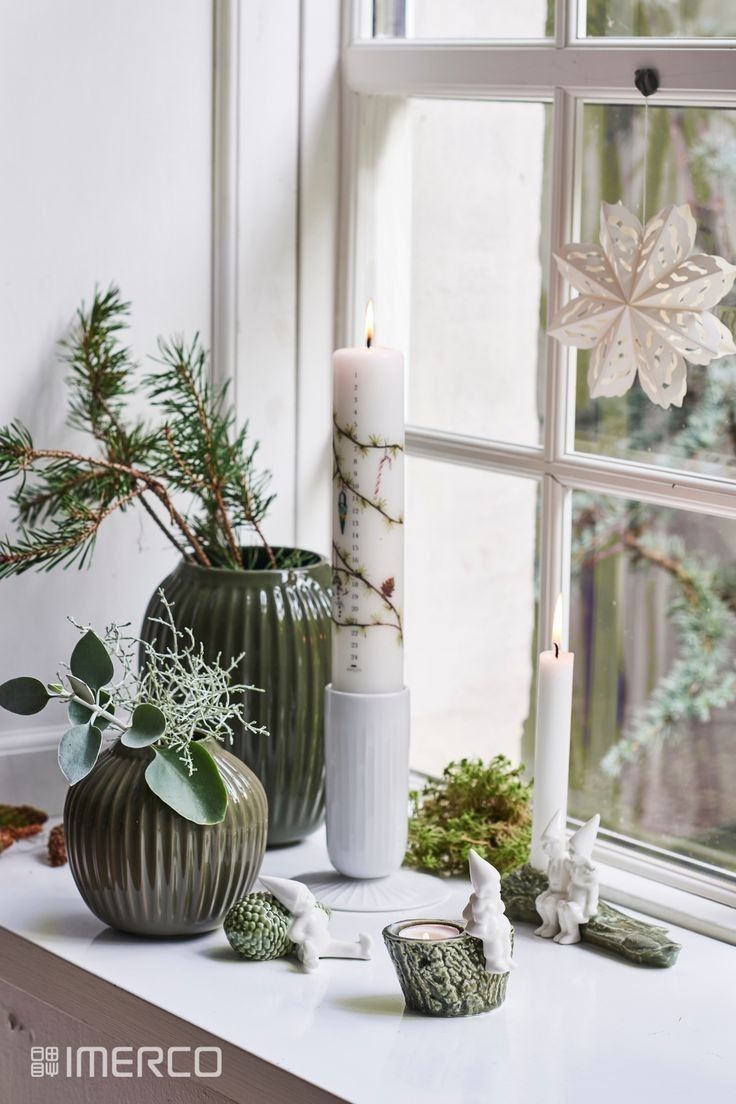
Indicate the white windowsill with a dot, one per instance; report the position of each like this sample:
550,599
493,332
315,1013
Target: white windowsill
574,1018
668,904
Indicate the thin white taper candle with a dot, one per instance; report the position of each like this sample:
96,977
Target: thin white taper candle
552,743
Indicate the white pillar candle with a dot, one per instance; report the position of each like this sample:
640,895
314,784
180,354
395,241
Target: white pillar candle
552,744
368,518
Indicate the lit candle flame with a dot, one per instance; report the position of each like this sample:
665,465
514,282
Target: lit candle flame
557,626
370,327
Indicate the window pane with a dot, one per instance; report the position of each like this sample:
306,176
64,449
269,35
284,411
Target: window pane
658,18
463,19
653,626
691,158
452,217
470,609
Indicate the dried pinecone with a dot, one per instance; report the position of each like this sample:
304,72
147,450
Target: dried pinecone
57,846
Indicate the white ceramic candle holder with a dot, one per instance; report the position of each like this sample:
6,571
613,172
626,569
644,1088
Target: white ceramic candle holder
367,790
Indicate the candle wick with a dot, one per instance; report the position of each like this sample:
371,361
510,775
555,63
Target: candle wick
557,650
368,341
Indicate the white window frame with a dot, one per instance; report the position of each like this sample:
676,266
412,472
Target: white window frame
285,155
566,72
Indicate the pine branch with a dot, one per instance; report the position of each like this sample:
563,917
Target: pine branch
100,366
63,496
18,454
204,454
70,540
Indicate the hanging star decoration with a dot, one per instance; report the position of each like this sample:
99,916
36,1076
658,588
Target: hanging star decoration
644,303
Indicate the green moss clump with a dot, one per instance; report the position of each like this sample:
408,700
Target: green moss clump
485,806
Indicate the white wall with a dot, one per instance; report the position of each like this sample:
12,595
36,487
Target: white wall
106,135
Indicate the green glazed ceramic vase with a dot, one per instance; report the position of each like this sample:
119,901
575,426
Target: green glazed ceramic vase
281,620
141,867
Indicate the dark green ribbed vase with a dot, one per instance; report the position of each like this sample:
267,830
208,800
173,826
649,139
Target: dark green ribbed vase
141,867
280,619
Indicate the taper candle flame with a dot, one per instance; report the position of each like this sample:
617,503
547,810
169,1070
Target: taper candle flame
370,327
557,627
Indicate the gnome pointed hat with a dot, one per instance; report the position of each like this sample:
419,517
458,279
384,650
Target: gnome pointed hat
583,841
555,829
484,876
294,896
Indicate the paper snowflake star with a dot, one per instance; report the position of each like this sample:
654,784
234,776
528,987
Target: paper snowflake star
644,303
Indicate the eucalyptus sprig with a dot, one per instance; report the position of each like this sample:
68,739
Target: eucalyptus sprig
178,700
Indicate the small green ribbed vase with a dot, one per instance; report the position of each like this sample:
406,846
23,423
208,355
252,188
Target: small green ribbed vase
281,620
141,867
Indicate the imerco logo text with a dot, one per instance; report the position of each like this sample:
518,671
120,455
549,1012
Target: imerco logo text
91,1062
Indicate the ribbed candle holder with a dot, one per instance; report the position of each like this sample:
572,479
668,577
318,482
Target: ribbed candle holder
367,796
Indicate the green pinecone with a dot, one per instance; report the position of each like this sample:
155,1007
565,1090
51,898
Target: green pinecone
256,927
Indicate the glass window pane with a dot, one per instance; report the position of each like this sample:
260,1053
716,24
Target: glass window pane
470,611
653,628
463,19
691,158
658,18
452,226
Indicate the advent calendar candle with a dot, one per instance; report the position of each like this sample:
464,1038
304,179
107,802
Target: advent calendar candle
552,744
368,518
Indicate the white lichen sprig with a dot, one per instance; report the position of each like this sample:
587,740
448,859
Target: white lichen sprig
176,702
197,698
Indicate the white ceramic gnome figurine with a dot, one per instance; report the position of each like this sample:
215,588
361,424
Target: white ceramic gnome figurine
310,927
558,874
485,918
581,903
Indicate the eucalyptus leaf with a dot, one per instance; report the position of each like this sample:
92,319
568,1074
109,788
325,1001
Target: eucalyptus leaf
78,751
56,688
200,797
82,714
90,661
24,696
81,689
147,725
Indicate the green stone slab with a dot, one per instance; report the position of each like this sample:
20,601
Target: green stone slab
645,944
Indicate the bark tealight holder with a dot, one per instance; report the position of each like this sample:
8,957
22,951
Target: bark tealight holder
441,969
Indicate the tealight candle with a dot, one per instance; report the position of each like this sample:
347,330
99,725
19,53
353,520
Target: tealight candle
429,932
